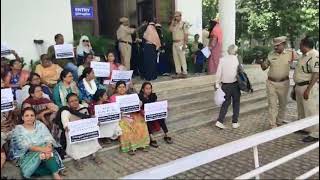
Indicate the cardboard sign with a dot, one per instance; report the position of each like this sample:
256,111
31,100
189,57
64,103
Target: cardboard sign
64,51
156,110
6,100
83,130
128,103
206,52
107,113
117,75
101,69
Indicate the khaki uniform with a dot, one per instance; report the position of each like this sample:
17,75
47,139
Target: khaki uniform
307,65
279,68
179,56
124,37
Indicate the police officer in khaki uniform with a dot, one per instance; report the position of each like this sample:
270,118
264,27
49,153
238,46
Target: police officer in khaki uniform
124,33
305,76
179,31
278,82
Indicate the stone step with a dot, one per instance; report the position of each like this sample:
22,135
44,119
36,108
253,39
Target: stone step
210,107
204,103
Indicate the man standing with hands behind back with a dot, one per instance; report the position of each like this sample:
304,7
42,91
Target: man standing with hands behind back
278,82
179,31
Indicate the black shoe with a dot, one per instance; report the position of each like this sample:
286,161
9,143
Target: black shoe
154,144
302,132
310,139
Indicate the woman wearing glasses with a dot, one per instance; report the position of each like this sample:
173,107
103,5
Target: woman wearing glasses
83,48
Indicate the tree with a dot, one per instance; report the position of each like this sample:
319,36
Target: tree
209,10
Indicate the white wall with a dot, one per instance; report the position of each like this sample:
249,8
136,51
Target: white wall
191,13
22,21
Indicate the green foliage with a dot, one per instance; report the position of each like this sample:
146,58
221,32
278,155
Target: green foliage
209,10
250,54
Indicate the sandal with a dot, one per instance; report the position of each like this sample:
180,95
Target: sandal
131,152
78,165
168,140
154,144
63,172
97,160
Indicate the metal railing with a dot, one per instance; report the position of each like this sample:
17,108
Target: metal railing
197,159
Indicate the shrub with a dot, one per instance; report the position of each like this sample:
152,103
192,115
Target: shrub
249,55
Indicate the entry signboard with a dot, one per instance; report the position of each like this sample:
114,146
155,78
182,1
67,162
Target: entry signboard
82,12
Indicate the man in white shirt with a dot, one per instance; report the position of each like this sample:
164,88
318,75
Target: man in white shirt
226,76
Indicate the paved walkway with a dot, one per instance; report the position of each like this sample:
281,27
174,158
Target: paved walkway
189,141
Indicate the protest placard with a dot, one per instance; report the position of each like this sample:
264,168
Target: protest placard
6,100
107,113
156,110
117,75
206,52
128,103
83,130
64,51
101,69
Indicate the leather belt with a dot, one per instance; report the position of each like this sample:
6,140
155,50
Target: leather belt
177,41
126,42
278,80
303,83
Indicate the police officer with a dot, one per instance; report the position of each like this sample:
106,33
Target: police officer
278,83
179,31
124,37
305,76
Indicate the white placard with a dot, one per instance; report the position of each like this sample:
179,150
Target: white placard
64,51
129,103
117,75
5,50
107,113
83,130
6,100
206,52
101,69
156,110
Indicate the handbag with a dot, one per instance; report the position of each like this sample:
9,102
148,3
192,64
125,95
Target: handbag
29,163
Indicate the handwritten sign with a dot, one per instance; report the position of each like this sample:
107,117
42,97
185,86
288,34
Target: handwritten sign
101,69
107,113
64,51
6,100
5,50
117,75
85,12
129,103
83,130
156,110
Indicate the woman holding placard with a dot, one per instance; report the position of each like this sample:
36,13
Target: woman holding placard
134,128
88,85
88,58
110,130
33,146
147,96
75,112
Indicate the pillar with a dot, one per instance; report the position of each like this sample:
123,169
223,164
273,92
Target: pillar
227,13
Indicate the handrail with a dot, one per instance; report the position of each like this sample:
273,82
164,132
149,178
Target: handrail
197,159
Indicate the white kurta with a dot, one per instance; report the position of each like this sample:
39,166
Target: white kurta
82,149
110,130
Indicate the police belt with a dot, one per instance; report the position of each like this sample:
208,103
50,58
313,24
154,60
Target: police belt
278,80
303,83
126,42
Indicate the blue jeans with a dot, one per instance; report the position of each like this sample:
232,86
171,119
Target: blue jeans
74,70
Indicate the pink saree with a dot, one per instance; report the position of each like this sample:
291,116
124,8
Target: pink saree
216,51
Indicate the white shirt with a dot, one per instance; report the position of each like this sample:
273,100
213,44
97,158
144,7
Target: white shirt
227,69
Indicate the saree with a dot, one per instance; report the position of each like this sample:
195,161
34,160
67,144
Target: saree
134,131
23,139
216,50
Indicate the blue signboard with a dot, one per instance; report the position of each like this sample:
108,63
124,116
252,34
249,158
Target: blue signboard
82,12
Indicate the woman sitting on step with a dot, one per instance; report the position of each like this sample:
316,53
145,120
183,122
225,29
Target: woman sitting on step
33,146
75,112
147,96
134,128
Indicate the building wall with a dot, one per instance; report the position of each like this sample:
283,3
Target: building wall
22,21
191,13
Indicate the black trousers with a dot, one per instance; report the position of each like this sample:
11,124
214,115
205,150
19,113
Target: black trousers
150,62
162,123
233,93
198,68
